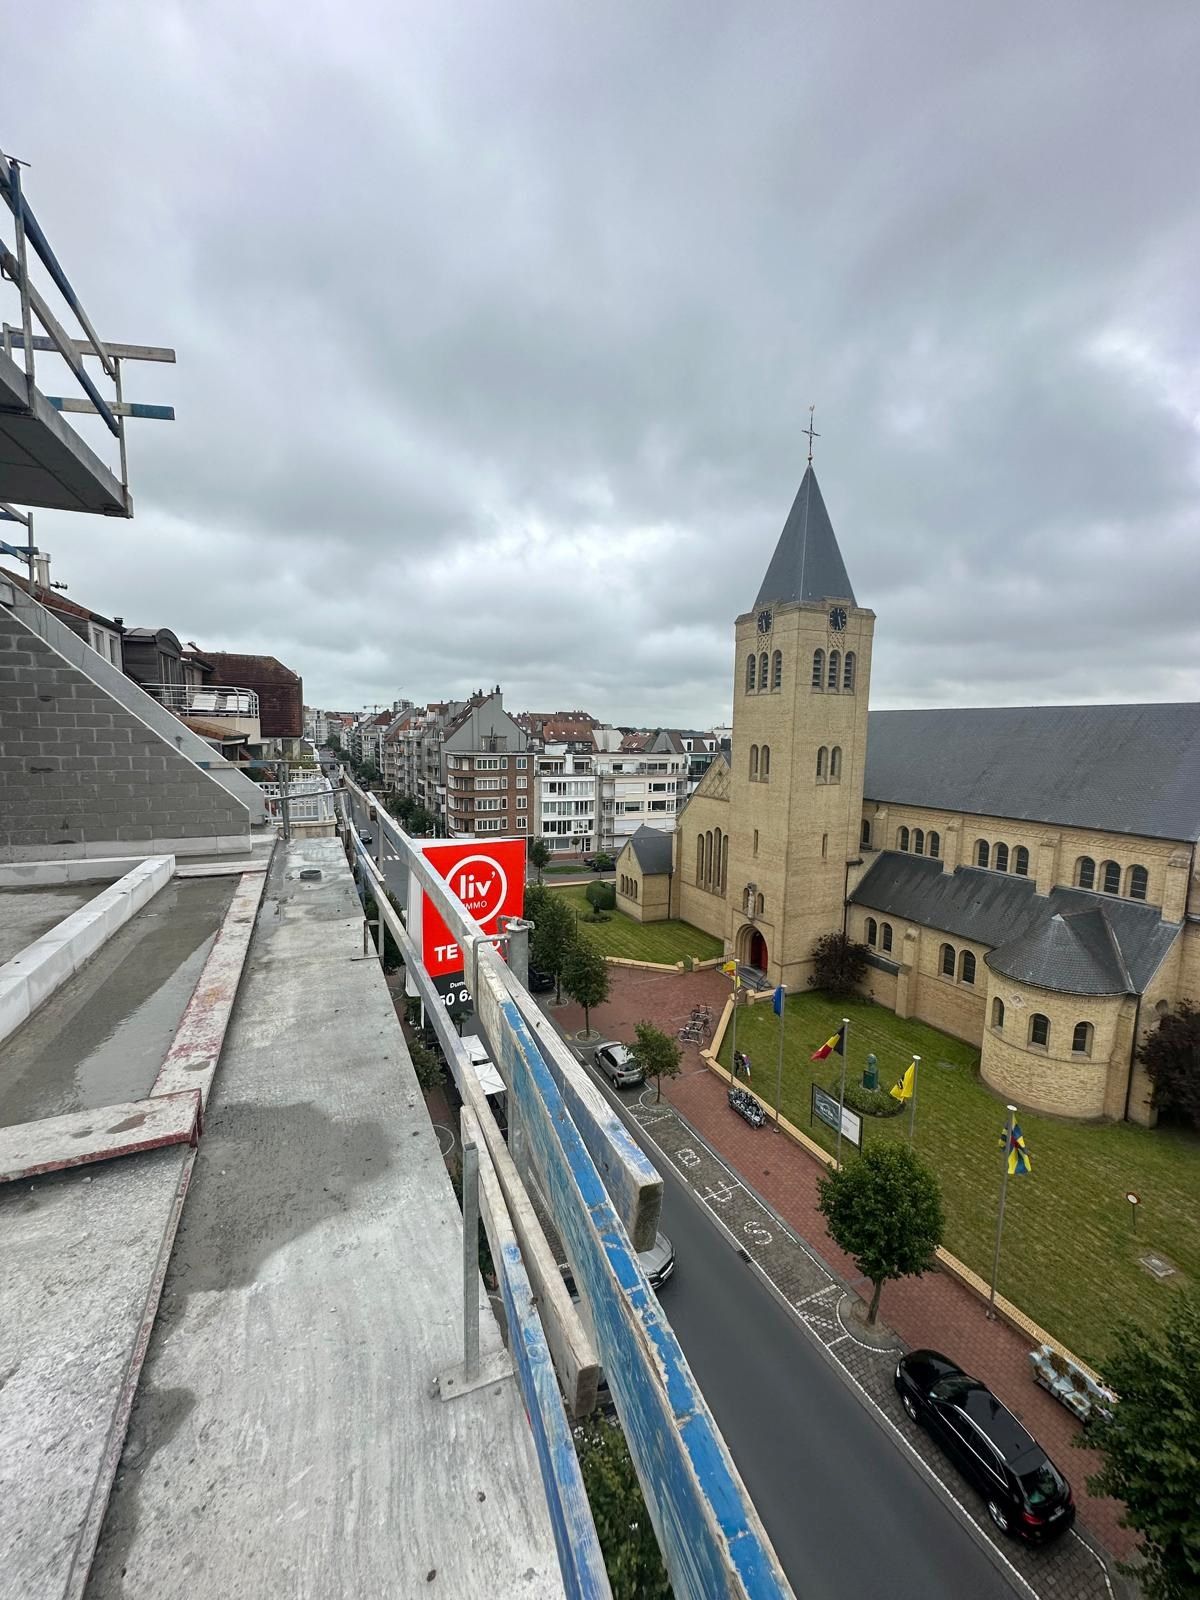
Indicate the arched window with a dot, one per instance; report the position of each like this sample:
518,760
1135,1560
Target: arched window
717,837
948,960
751,673
835,764
872,932
1139,883
918,841
822,759
699,858
764,769
753,763
1021,861
1039,1030
762,672
966,967
818,676
725,862
1081,1039
935,846
760,905
885,936
835,667
1000,858
708,878
777,670
902,839
981,852
1085,873
848,671
864,836
1110,877
997,1012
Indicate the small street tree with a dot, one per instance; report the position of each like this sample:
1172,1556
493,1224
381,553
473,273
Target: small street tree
421,821
1171,1057
585,978
885,1210
539,856
1148,1442
427,1064
657,1054
554,932
631,1556
838,964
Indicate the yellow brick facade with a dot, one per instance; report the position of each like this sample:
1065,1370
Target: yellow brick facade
646,896
770,846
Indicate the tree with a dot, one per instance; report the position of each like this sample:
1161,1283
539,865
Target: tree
838,964
1149,1445
657,1054
368,775
554,932
1171,1057
428,1064
334,743
602,861
885,1210
626,1534
421,821
401,807
539,856
585,977
601,897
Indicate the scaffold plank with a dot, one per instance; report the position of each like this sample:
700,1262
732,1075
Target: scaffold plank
52,1144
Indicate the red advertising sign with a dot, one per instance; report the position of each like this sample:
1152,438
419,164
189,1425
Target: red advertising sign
488,876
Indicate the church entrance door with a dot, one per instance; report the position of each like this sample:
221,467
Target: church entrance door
757,951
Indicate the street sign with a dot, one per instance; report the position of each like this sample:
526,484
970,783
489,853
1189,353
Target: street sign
488,876
825,1107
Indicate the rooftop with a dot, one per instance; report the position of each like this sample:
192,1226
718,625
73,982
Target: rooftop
807,565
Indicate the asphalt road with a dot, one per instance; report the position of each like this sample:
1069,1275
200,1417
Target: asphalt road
847,1511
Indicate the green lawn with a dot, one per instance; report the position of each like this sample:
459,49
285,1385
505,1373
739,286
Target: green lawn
1070,1254
638,941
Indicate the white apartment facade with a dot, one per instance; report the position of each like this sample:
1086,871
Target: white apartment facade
566,801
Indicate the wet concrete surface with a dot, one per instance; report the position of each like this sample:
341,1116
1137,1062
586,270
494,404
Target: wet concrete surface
102,1038
26,914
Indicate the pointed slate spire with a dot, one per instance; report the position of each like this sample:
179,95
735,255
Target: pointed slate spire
807,564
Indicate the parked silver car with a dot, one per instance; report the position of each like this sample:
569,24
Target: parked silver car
616,1062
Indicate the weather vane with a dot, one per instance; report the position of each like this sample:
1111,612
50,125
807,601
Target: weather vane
811,432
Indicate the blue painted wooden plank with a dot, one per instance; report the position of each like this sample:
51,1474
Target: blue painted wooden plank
712,1541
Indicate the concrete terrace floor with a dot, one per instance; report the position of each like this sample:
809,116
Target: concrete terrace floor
285,1439
27,914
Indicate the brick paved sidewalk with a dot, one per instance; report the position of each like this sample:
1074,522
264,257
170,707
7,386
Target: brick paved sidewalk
933,1310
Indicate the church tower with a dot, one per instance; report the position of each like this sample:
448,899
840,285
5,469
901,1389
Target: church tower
802,671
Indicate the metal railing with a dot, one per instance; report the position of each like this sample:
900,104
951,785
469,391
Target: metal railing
54,339
191,701
605,1199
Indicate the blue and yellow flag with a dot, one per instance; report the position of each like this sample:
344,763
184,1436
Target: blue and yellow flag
1019,1163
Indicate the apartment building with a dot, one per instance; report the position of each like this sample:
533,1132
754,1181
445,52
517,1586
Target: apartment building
488,770
566,799
641,777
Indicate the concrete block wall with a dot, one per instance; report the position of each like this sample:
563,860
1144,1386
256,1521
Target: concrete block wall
40,620
81,775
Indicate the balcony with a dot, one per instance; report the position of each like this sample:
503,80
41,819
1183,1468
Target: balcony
234,709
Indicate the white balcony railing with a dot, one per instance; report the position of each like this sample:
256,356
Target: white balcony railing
189,701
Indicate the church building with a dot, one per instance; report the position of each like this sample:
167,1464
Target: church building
1024,877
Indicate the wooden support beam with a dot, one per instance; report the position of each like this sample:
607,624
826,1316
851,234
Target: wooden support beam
79,1137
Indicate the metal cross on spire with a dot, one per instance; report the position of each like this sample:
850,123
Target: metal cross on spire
811,432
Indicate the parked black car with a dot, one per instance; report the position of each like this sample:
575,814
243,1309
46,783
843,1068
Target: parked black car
1026,1495
539,982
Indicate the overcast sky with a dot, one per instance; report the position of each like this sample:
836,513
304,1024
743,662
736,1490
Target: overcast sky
498,325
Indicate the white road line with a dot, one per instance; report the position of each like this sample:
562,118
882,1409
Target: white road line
1095,1557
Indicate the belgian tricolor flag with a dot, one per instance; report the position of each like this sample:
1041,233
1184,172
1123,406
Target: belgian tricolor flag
838,1043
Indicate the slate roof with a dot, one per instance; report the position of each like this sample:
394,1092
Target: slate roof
1115,769
1102,939
807,564
652,847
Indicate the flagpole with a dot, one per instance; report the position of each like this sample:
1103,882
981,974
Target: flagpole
912,1120
733,1047
842,1090
779,1062
991,1311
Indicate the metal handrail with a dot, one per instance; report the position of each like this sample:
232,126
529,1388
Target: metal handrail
214,700
599,1184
